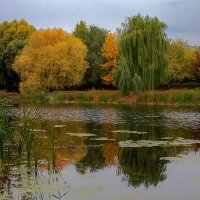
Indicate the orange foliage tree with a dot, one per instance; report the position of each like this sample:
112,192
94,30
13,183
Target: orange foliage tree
51,60
111,53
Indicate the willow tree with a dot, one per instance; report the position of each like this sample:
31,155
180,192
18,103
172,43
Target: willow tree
143,43
123,77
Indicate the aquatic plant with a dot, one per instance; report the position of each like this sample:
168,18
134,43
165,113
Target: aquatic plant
26,131
7,127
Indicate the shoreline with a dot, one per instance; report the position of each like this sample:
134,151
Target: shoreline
174,97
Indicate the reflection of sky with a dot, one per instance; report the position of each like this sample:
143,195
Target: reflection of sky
183,182
112,183
181,16
104,184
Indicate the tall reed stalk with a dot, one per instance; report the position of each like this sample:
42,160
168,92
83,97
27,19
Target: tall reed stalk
7,127
26,130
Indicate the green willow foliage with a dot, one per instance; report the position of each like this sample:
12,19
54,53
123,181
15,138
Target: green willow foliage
143,43
123,77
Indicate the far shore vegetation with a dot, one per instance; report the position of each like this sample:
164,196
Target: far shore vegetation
132,64
155,97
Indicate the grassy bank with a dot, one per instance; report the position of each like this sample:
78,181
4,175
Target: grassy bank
90,96
170,97
157,97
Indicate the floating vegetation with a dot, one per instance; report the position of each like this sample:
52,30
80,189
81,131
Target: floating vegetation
152,116
158,143
38,130
182,158
30,187
81,134
102,139
86,192
75,146
127,131
167,138
43,137
59,126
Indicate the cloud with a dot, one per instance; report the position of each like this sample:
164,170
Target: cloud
181,16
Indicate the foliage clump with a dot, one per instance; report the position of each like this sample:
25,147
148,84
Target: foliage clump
111,53
13,38
51,60
93,37
143,43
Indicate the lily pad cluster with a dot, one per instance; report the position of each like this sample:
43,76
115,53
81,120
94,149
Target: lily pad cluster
158,143
81,134
128,131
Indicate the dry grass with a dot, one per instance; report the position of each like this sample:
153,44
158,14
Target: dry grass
170,97
157,97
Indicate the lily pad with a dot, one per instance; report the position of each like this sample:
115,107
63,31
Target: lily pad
38,130
154,143
127,131
81,134
59,126
152,116
182,158
31,187
167,138
171,158
102,139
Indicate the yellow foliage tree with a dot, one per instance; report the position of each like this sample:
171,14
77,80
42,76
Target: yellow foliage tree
111,53
180,62
51,60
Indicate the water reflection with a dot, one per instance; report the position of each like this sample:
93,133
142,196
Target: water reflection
92,162
97,152
142,166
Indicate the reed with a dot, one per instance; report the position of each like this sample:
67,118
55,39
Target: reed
157,97
27,134
7,127
170,97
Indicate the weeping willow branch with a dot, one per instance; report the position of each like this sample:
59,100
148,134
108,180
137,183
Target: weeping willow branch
143,43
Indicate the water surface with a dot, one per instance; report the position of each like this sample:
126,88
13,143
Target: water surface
115,152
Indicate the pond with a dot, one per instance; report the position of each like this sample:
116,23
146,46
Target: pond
116,152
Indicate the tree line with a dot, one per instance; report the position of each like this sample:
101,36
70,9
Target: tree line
139,56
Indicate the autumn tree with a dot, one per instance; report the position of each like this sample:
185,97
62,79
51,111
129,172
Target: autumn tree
111,53
52,60
180,58
143,43
196,66
13,37
93,37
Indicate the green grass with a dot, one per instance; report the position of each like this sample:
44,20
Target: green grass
157,97
170,97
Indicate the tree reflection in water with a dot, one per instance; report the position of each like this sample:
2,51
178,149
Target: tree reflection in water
93,161
142,166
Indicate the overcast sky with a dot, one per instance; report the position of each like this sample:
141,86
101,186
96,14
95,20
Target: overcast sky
181,16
